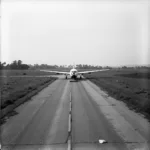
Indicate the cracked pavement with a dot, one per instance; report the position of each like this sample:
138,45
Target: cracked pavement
42,122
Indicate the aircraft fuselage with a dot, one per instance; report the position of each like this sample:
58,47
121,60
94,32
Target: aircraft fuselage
73,73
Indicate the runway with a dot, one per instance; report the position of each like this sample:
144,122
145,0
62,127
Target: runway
74,115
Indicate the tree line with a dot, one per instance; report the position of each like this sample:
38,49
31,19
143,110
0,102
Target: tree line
16,64
78,66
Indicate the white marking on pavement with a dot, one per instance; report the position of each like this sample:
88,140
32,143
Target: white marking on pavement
69,144
70,107
101,141
69,124
70,96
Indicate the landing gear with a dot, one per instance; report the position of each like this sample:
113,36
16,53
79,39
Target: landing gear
80,77
66,77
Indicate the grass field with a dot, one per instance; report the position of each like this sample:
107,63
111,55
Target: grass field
23,73
15,88
128,85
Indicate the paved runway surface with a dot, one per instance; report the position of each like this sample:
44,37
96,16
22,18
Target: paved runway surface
43,122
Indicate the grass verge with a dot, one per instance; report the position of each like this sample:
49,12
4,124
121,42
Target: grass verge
17,90
128,85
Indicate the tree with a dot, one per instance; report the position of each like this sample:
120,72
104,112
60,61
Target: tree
124,67
2,65
19,62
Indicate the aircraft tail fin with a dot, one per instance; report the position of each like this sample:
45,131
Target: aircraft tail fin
74,66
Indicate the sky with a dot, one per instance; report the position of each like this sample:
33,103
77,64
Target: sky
96,32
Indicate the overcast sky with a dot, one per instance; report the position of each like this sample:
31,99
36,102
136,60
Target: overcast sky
110,32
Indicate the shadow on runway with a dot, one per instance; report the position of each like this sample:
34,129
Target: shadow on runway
73,80
77,80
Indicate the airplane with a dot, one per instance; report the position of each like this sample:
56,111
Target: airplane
74,74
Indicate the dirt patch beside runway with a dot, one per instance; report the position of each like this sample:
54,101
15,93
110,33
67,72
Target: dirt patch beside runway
128,85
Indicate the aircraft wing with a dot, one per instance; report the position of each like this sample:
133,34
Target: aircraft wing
89,72
57,72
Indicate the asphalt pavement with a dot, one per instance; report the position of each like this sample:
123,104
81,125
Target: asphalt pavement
74,115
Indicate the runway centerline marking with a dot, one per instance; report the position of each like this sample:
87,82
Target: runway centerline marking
69,124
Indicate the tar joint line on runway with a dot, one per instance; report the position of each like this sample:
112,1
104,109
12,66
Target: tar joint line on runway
70,124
